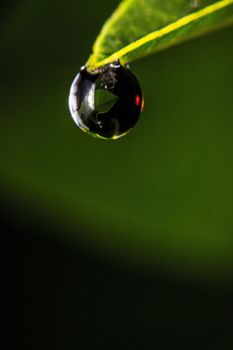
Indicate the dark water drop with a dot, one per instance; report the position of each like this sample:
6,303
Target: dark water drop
106,103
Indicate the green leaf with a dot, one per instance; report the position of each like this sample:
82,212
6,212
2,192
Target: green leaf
140,27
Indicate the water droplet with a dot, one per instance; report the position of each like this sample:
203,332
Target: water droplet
106,103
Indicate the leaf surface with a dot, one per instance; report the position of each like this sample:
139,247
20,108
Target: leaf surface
141,27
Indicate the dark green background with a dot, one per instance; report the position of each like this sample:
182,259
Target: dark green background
130,239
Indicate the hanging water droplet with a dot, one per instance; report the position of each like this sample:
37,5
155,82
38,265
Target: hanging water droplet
106,103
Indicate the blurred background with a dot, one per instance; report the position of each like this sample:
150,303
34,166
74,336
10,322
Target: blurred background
128,241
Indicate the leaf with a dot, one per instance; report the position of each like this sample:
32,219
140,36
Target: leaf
140,27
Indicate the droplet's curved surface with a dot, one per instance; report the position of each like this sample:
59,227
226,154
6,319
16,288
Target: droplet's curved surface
106,103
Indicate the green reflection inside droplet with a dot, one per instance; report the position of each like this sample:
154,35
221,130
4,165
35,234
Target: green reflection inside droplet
104,100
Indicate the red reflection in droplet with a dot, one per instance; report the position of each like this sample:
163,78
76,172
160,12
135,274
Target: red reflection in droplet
137,100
